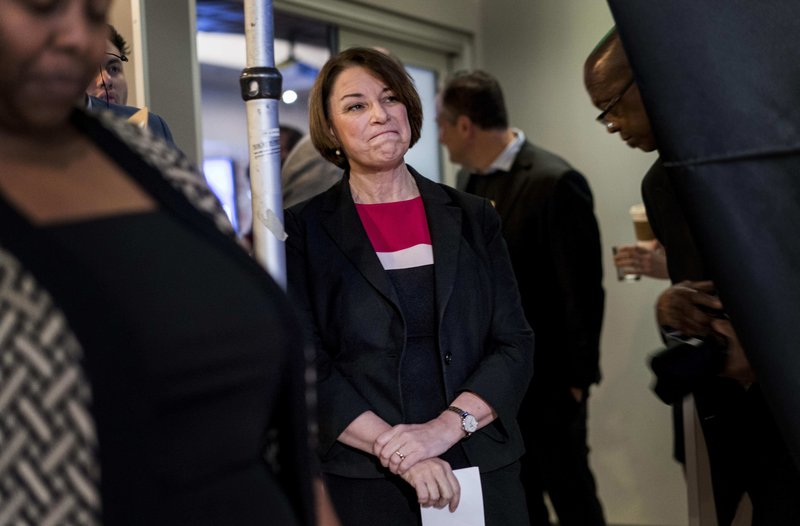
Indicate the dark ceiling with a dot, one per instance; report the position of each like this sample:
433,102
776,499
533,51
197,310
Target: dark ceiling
227,16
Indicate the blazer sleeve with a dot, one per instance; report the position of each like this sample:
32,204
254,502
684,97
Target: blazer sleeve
577,254
338,402
501,379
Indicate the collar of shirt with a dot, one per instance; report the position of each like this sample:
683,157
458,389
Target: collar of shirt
505,160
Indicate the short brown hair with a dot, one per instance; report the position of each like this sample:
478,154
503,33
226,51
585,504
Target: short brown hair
384,67
478,95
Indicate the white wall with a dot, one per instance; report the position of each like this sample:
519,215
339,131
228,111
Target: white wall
537,49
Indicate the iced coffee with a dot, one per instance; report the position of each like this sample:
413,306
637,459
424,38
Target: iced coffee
644,238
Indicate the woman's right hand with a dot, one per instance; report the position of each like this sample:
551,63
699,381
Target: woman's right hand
417,442
435,484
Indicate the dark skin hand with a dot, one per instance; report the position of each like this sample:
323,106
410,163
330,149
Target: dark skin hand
693,308
689,307
737,366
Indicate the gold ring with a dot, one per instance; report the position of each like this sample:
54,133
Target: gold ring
402,456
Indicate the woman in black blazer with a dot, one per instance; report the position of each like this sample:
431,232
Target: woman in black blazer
422,347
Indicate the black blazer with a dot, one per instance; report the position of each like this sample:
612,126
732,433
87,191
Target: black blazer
670,225
547,212
355,322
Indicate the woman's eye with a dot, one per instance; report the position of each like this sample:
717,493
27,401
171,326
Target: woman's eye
355,107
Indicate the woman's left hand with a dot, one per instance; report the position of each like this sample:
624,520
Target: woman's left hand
435,484
404,445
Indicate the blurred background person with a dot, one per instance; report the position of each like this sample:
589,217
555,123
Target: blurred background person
423,350
109,84
547,212
147,361
306,173
289,137
109,89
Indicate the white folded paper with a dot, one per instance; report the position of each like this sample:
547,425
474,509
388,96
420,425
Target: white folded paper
470,508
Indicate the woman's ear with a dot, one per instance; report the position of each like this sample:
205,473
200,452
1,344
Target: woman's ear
337,143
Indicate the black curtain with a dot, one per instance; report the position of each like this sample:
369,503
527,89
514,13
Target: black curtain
721,82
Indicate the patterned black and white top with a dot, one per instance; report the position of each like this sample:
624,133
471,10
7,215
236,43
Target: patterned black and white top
51,455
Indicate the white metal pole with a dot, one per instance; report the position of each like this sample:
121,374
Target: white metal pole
261,90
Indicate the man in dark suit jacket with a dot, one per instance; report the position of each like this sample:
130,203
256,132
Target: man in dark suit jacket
548,221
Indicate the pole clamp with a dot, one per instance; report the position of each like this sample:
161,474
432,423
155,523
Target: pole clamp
261,83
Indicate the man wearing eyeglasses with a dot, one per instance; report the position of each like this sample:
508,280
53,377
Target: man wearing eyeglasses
609,81
746,452
110,84
109,89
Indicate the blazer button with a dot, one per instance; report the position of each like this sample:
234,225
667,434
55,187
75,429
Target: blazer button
448,357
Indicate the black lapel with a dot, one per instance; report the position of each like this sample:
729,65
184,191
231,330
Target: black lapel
444,222
340,219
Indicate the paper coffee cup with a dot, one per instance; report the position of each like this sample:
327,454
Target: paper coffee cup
641,225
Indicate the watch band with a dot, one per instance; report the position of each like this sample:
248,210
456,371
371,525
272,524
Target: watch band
458,411
468,422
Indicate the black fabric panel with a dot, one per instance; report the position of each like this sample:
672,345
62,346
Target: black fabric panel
720,80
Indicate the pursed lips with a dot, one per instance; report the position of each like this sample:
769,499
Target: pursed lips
381,134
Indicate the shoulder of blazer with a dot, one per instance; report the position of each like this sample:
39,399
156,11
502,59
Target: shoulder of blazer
328,200
540,161
438,192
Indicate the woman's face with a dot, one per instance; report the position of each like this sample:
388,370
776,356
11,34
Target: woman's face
369,122
49,50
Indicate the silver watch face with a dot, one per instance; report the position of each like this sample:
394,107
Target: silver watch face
469,423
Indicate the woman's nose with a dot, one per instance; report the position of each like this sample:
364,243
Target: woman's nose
379,113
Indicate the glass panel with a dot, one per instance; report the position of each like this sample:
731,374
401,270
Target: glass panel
219,174
424,156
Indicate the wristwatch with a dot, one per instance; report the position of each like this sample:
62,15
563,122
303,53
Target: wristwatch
468,422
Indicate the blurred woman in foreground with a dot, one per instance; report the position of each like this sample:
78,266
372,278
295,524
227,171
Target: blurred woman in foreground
146,361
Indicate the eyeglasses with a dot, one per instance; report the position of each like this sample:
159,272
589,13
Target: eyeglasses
122,58
602,117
